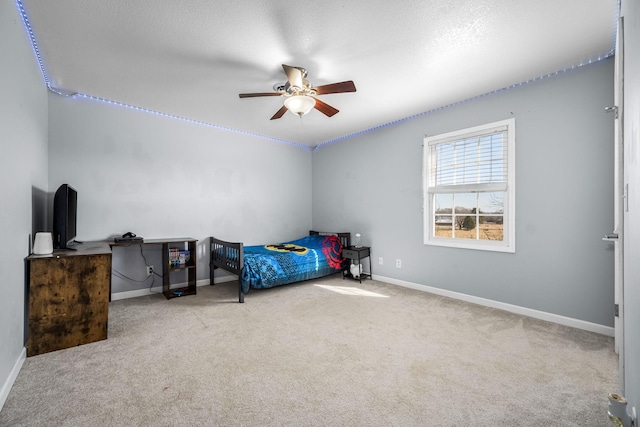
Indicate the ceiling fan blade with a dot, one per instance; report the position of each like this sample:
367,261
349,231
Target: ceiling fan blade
253,95
294,75
325,108
280,113
341,87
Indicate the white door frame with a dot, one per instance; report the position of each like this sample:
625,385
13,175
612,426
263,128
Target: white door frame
619,208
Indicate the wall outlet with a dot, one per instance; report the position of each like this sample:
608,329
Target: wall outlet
398,263
380,261
149,270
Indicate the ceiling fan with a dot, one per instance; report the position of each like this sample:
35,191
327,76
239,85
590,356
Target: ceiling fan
300,96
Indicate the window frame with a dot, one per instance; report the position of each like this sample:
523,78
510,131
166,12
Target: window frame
508,242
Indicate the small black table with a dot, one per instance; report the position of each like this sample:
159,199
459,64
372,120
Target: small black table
357,253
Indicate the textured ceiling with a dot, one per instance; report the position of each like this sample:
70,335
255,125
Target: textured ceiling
192,59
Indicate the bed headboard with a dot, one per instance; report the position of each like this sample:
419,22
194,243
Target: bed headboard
345,238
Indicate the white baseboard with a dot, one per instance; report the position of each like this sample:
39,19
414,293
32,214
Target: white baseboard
144,292
549,317
6,387
536,314
227,278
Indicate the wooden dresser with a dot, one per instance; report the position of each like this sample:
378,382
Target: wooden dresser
68,297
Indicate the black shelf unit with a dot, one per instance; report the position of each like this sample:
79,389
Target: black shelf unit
168,269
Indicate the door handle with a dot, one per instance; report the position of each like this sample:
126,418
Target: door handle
610,237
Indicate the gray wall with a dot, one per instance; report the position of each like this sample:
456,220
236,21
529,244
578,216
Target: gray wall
23,174
372,184
160,177
631,13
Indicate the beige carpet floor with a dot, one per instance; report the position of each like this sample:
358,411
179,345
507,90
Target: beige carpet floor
326,352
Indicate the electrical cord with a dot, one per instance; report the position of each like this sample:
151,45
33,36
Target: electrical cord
152,275
153,272
124,276
143,257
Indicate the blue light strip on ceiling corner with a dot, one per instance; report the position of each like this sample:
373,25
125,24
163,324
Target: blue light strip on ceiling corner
609,54
34,45
464,101
196,122
32,38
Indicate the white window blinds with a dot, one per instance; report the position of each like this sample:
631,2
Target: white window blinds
471,162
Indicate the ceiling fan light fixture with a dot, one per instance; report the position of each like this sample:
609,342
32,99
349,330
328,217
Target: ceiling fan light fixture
299,104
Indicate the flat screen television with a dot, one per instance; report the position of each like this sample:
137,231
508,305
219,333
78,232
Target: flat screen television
65,209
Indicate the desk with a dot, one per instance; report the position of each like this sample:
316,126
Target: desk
171,246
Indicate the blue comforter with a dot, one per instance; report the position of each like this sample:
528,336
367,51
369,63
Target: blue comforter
302,259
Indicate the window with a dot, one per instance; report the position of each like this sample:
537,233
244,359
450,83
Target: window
469,182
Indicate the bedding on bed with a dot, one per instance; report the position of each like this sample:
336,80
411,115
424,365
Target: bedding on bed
302,259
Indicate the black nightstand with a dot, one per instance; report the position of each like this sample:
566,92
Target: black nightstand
357,254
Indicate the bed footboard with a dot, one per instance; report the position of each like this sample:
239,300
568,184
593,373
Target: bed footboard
230,257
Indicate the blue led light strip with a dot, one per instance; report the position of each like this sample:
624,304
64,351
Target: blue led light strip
27,26
395,122
34,45
454,104
197,122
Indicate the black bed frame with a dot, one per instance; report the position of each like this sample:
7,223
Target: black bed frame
230,256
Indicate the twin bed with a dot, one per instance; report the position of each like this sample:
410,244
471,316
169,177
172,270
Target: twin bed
266,266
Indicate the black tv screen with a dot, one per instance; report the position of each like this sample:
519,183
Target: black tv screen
65,207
